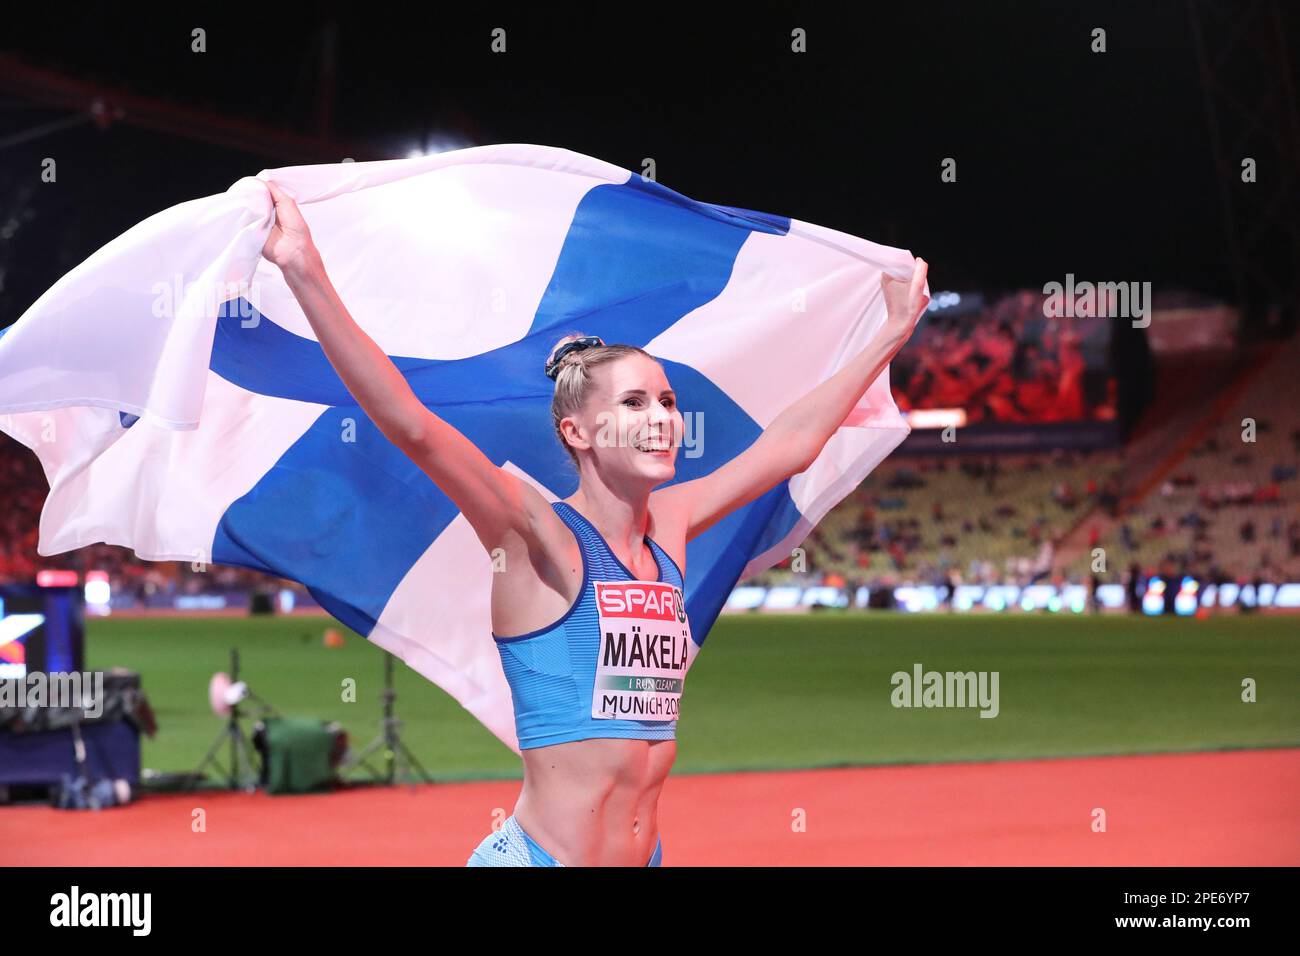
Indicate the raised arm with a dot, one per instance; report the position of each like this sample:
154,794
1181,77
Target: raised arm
502,509
797,436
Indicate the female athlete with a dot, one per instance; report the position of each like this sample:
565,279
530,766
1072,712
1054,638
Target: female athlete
588,613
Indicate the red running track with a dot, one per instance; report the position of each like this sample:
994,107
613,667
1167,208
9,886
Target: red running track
1239,808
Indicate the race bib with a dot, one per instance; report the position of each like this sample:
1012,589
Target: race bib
645,649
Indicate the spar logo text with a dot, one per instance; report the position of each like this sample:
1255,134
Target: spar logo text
658,604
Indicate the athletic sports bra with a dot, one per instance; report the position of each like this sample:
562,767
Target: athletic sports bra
614,664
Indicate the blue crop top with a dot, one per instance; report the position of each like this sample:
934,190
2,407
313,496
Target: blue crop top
629,637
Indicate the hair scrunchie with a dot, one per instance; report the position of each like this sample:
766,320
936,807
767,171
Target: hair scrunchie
577,345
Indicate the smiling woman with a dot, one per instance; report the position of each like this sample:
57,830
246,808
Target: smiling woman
597,675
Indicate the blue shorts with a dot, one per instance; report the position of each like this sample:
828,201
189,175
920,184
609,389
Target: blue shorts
511,846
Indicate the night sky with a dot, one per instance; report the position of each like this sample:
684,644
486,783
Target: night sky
1068,161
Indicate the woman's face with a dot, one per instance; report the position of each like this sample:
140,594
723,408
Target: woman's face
631,421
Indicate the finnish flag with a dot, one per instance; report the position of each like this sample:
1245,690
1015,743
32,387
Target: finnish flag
181,406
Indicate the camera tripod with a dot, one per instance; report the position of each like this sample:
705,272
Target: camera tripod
399,762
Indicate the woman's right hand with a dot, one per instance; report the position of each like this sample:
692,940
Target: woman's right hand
905,302
289,245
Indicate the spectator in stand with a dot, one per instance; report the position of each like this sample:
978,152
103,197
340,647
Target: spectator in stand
1126,537
1110,498
1134,587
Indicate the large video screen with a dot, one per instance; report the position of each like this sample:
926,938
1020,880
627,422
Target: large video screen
41,630
1005,360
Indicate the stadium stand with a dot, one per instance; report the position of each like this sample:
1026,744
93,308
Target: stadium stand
1186,495
980,520
1221,506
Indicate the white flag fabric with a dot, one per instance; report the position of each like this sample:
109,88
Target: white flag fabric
181,406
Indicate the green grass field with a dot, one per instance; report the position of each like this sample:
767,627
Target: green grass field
776,692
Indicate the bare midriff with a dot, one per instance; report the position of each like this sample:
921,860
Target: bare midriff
595,802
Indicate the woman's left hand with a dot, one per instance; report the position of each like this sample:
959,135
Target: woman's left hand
905,301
